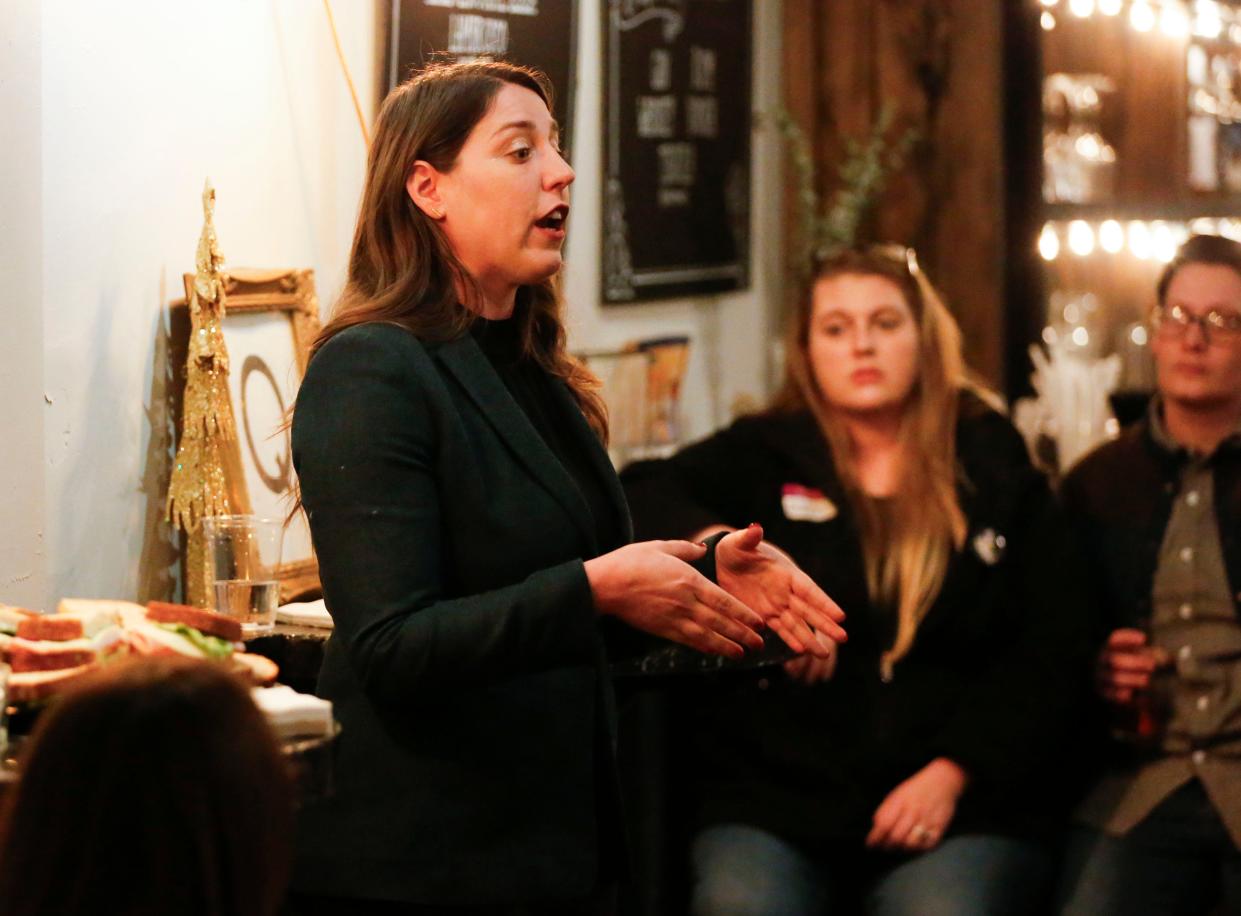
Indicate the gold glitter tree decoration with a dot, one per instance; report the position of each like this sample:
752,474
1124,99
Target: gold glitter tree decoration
199,485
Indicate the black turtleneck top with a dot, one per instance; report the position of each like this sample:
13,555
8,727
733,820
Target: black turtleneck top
530,387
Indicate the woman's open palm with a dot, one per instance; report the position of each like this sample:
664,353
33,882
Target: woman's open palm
766,580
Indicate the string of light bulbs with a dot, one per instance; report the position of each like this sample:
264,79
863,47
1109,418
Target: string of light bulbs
1146,240
1207,19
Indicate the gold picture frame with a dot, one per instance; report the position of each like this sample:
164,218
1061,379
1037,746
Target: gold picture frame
271,318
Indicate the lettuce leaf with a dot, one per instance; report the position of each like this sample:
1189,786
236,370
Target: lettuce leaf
211,646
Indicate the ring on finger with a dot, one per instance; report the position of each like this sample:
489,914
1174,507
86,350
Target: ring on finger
921,833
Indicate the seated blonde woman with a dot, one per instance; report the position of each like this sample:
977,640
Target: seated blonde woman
914,771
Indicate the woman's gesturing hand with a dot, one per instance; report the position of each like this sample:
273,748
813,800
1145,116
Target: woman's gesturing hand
786,598
811,669
916,813
651,587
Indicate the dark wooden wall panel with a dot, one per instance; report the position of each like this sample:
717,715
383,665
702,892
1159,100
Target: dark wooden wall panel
938,62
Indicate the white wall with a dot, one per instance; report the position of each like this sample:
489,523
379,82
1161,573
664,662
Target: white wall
136,110
728,332
23,577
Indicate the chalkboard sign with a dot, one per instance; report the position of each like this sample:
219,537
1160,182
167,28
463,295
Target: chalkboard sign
535,33
676,210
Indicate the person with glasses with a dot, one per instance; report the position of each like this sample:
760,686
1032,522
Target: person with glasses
1159,516
916,770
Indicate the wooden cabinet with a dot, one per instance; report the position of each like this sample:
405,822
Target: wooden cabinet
1166,63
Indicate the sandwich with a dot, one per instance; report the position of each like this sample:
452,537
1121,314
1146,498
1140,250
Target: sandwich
179,629
49,651
31,687
11,616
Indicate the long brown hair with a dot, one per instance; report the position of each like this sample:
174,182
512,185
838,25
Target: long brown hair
402,269
154,786
908,544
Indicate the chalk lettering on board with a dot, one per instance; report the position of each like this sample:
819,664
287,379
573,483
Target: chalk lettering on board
528,32
702,116
661,70
678,164
657,116
633,13
672,198
469,34
701,69
677,159
504,7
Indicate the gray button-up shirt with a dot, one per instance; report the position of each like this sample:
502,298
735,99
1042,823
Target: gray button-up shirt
1198,696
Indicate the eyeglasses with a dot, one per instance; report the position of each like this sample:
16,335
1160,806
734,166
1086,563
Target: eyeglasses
1175,322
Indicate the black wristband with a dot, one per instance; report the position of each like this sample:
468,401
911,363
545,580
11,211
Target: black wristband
706,563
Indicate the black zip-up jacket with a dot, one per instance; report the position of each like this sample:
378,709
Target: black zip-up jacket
999,665
1120,498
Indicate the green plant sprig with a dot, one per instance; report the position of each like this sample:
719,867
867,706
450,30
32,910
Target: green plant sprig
863,175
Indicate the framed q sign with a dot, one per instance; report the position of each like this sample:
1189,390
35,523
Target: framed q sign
271,317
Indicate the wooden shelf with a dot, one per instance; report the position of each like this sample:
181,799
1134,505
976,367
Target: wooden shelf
1211,206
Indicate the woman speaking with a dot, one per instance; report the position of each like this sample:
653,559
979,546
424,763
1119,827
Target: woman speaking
472,534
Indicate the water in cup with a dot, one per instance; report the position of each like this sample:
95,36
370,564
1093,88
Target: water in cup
253,603
244,552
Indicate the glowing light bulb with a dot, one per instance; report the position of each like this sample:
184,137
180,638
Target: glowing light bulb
1139,240
1109,7
1111,236
1208,23
1142,16
1049,243
1088,146
1138,335
1173,21
1081,337
1049,3
1081,8
1163,242
1047,21
1081,238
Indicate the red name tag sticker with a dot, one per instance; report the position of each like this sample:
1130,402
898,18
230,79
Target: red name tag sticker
806,504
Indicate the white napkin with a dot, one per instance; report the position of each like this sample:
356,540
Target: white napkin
305,614
292,714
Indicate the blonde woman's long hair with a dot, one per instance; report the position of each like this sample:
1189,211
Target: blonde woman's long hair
906,547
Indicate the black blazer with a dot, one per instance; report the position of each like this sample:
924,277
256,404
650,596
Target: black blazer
998,666
476,760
